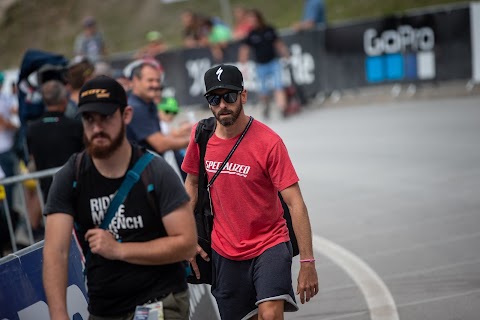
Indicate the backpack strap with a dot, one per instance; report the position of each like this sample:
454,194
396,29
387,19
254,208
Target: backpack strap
133,175
78,162
203,132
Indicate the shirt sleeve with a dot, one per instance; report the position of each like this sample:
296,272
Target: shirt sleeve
60,196
191,161
280,167
171,193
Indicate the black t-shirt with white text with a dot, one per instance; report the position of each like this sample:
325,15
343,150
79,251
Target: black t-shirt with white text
116,287
262,42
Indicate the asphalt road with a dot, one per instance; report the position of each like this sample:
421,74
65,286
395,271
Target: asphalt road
396,185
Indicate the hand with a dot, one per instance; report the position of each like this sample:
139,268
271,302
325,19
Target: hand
103,243
193,262
307,282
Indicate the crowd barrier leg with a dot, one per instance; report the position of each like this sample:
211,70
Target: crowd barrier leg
11,231
23,205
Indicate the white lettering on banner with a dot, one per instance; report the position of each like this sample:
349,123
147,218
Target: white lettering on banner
394,41
303,65
76,304
196,70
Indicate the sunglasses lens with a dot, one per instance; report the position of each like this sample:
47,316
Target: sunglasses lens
230,97
213,99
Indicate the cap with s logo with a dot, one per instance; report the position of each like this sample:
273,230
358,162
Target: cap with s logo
102,94
223,77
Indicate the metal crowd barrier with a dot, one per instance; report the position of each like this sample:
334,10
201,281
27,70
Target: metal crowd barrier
19,179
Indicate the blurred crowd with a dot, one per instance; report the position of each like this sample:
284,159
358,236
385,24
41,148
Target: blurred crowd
39,125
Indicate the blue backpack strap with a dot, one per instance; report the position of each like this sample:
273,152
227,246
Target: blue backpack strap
133,175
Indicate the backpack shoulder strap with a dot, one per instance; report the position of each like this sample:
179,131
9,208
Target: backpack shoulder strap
203,132
133,175
78,163
205,127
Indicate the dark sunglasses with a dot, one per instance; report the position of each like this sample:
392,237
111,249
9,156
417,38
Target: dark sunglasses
170,112
229,97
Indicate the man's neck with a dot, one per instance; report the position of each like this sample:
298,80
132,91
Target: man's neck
233,130
116,165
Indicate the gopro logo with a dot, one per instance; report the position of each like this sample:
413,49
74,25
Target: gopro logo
402,54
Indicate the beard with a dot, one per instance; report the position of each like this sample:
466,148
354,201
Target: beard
102,152
232,116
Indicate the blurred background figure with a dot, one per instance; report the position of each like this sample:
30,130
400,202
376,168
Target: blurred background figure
9,124
242,26
121,78
53,138
79,70
267,47
313,15
144,129
216,36
167,111
155,45
90,42
193,31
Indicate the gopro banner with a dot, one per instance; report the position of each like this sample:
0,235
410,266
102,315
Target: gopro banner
21,290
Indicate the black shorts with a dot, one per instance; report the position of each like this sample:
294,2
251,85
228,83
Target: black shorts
240,286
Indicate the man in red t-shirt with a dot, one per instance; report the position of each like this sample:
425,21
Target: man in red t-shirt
252,254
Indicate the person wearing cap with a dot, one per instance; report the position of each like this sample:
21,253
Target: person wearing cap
90,43
155,45
144,129
251,249
167,111
139,258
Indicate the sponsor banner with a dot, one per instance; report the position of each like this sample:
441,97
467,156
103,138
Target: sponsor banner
21,290
429,45
22,296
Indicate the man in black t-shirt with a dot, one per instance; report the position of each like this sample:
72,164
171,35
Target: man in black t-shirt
53,138
138,259
267,47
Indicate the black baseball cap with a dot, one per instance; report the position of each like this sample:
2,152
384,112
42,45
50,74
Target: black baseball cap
223,77
102,94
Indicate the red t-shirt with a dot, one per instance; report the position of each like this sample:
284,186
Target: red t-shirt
248,215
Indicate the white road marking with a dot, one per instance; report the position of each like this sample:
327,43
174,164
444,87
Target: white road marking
377,296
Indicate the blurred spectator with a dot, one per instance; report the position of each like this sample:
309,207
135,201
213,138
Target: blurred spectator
267,47
242,26
167,111
121,78
90,42
313,15
145,125
53,138
217,36
193,31
155,46
9,124
79,70
103,68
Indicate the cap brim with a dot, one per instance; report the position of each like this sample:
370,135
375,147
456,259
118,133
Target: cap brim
102,108
226,86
